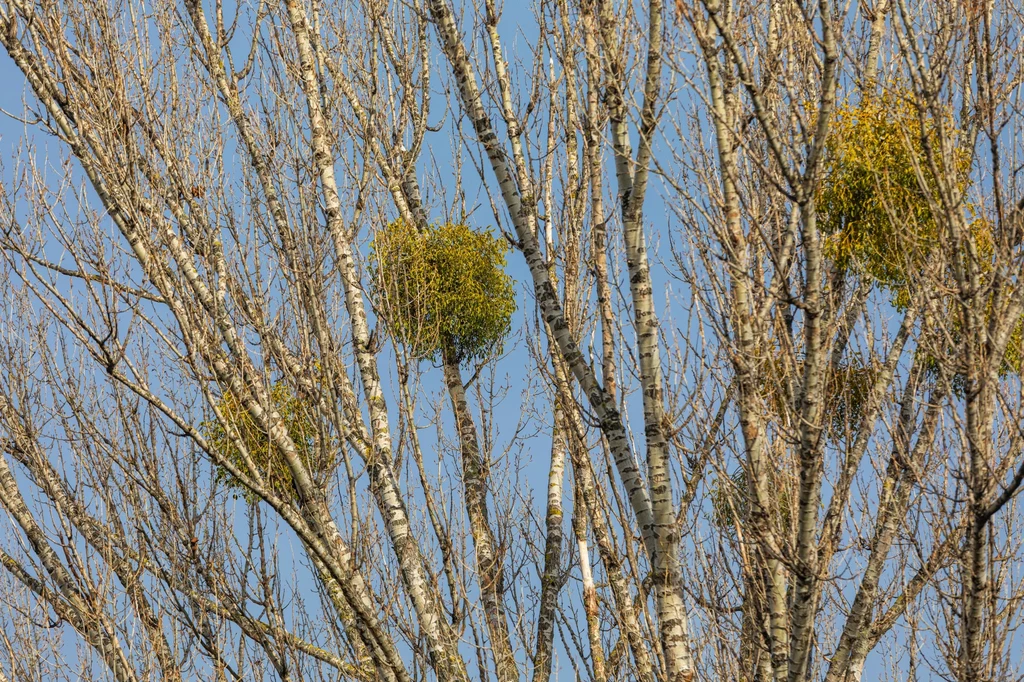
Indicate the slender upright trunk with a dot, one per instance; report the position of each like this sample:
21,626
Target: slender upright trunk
632,178
590,604
551,578
489,559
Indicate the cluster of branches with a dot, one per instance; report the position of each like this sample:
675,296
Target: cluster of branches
776,421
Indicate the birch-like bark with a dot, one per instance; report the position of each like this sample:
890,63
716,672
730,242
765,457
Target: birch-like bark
976,581
588,492
397,523
632,183
523,215
590,603
551,575
744,359
114,198
598,219
317,121
671,608
449,664
811,452
244,127
877,17
489,560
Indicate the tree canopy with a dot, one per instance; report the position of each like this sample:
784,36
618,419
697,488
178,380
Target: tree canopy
459,340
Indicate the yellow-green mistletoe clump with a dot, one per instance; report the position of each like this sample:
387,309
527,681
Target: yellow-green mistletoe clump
442,290
875,203
265,455
874,207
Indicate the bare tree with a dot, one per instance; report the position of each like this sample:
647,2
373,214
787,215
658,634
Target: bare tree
267,409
